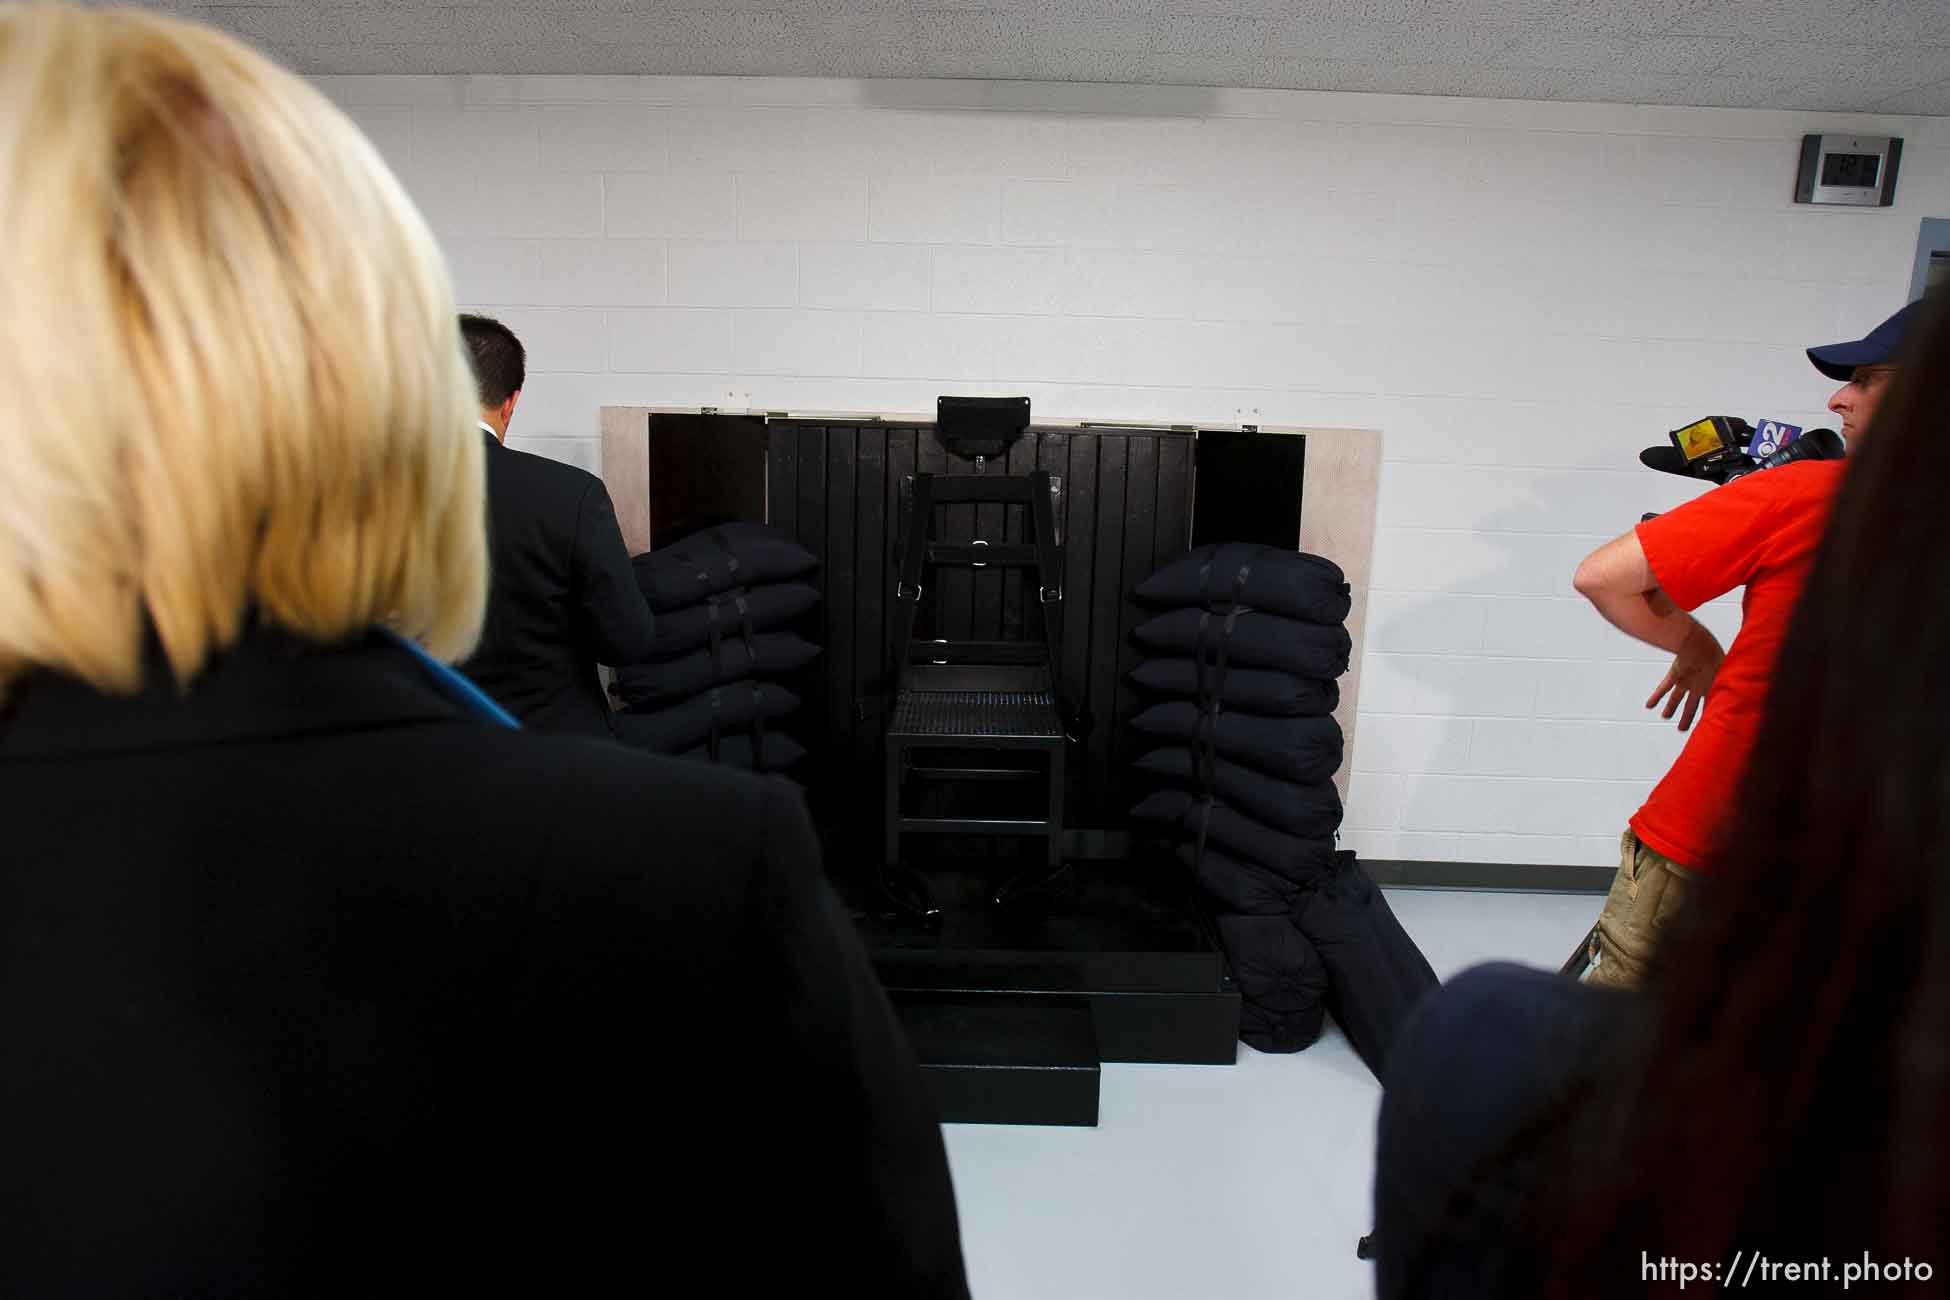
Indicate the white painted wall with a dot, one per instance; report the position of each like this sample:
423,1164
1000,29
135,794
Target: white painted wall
1520,295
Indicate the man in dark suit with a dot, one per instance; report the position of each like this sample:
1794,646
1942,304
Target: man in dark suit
563,598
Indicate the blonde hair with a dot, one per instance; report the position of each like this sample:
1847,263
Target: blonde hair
231,381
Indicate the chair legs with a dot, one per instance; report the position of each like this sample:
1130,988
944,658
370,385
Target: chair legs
901,887
1015,888
908,891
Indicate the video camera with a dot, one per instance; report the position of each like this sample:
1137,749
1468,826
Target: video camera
1722,448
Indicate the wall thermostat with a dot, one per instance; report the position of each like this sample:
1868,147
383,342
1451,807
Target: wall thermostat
1856,171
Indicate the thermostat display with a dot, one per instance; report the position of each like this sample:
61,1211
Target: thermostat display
1850,170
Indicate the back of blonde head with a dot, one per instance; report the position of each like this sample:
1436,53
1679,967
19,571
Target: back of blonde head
231,382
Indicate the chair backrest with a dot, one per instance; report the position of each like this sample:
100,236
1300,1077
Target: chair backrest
920,554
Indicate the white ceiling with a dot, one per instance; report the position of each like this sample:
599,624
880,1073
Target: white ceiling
1851,55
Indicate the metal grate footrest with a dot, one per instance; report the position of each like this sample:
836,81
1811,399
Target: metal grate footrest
988,715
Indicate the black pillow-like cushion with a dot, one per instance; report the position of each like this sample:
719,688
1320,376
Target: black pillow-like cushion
1279,1031
718,559
1290,583
669,681
684,726
1281,980
1295,858
1239,887
1255,641
780,752
1299,749
1376,973
1312,810
1256,690
766,608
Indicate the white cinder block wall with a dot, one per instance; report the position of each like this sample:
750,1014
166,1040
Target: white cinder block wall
1519,295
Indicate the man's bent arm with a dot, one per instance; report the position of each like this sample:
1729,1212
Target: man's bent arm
1618,580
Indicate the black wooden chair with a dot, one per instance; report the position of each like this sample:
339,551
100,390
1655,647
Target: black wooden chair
976,710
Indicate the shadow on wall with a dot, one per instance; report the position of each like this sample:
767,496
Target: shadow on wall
1501,678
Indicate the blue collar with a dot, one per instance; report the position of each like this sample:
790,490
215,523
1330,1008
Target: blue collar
452,684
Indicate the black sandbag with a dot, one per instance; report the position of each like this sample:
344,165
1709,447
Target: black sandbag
1256,690
764,609
1293,857
1376,974
732,707
1255,641
1281,980
1312,810
1280,1032
1241,887
718,559
669,681
1297,749
780,752
1289,583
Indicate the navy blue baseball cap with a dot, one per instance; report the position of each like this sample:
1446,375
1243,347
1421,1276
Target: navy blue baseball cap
1877,348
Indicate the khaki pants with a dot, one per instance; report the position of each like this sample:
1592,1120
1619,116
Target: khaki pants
1645,894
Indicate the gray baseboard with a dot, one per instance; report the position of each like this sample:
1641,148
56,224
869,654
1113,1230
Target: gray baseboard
1517,877
1514,877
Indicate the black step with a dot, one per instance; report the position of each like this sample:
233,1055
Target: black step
1123,936
1156,1025
998,1060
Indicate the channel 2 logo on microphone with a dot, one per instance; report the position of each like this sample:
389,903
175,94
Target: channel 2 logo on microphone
1770,437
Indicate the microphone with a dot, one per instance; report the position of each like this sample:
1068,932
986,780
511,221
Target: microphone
1815,444
1667,459
1771,436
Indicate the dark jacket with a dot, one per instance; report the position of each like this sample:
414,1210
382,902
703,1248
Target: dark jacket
563,599
312,983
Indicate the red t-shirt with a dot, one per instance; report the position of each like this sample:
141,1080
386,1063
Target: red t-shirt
1759,532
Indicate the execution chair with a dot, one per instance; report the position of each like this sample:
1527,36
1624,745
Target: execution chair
976,711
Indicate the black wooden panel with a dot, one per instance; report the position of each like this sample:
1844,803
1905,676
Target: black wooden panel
704,470
1079,541
1173,534
782,478
811,453
869,596
1249,488
839,643
903,457
1141,488
1106,606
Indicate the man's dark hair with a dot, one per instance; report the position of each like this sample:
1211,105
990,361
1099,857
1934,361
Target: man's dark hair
500,363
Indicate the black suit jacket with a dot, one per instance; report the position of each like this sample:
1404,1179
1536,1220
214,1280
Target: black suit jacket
564,598
311,983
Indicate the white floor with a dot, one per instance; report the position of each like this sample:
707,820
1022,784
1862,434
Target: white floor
1217,1183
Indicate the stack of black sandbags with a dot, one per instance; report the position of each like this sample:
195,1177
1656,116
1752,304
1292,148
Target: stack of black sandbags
726,600
1244,659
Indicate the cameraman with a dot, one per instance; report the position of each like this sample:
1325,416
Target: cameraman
1757,532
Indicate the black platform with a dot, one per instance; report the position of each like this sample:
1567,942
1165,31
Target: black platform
1000,1060
1124,939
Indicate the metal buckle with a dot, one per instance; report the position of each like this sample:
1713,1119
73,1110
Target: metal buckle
1050,595
900,591
979,564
